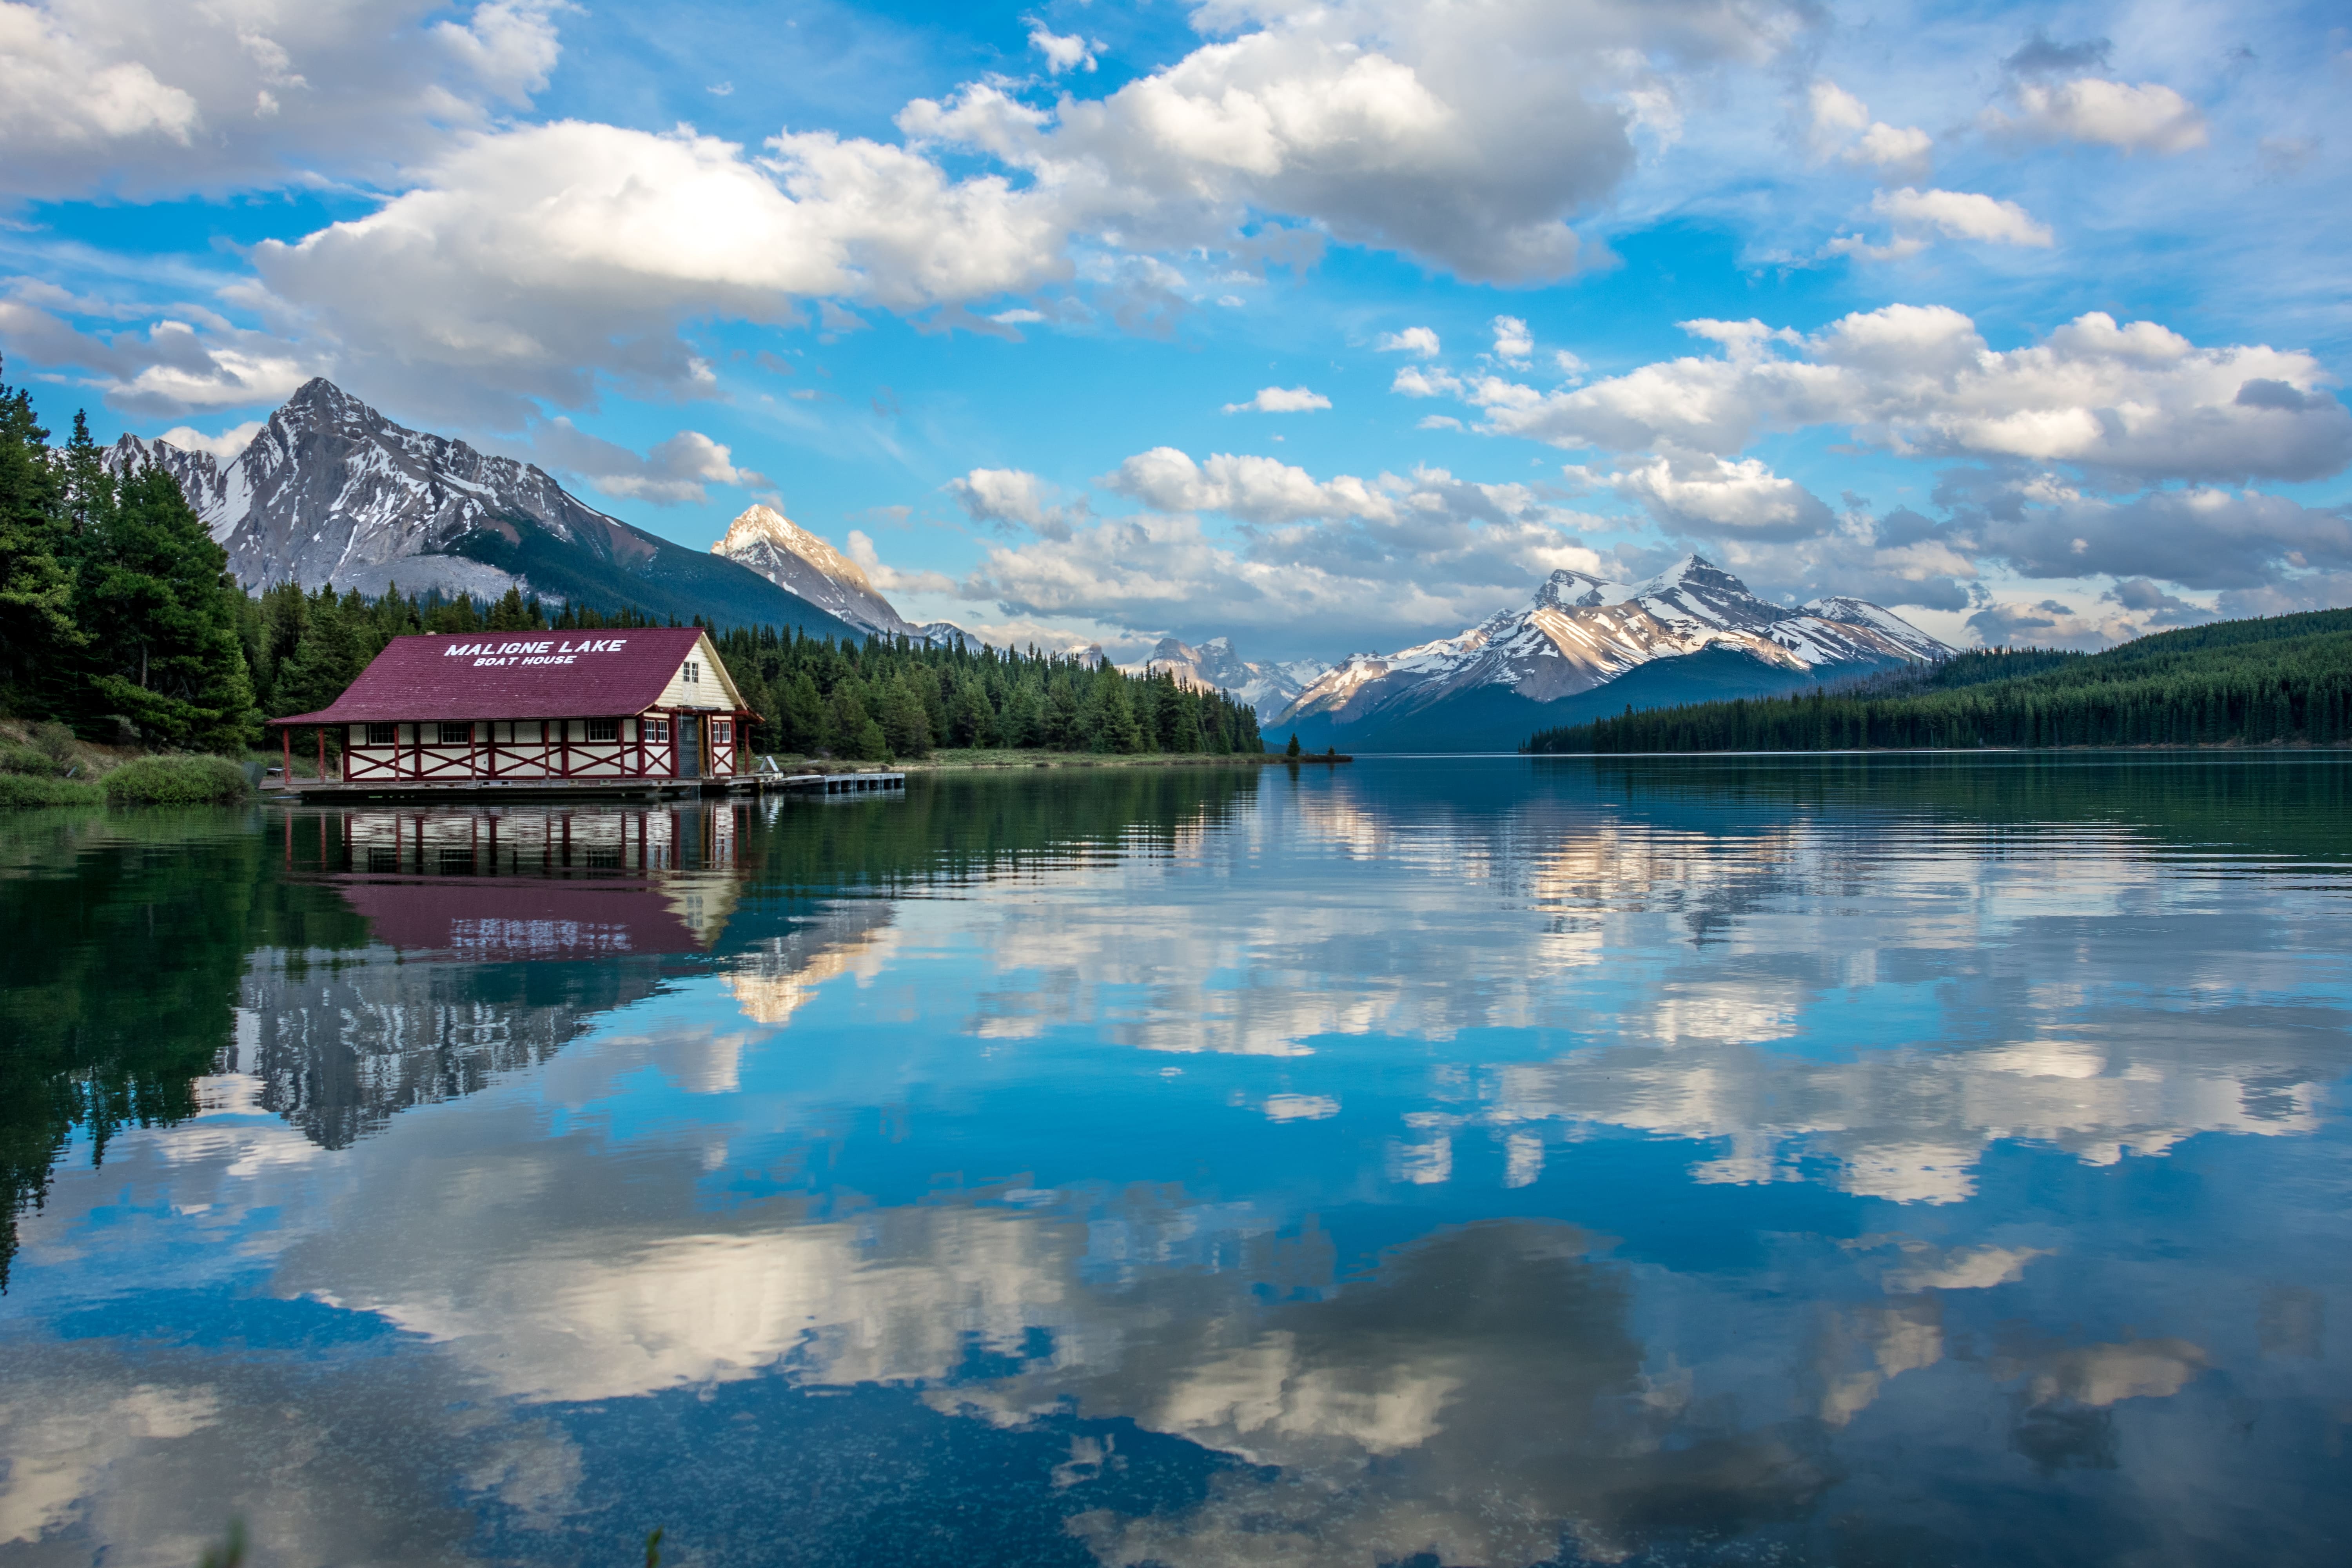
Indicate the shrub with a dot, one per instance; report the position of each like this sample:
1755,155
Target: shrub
177,780
19,790
24,759
55,742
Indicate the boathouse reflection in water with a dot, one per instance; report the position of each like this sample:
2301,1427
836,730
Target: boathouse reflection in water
557,916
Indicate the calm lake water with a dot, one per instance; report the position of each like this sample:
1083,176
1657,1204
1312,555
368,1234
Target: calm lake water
1477,1162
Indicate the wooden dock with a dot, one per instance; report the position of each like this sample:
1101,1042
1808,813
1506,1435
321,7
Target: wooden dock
830,783
343,792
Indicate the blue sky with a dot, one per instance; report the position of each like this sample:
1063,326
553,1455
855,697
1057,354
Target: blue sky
1328,328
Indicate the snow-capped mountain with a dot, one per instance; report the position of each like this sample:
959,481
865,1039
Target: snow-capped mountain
330,491
1578,634
769,542
1216,667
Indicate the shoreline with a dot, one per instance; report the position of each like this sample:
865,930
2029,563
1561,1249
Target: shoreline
999,761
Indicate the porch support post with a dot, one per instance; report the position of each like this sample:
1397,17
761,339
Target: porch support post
286,738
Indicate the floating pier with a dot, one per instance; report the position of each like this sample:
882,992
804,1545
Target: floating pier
829,783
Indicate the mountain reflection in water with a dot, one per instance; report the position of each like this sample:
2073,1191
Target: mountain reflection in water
1479,1161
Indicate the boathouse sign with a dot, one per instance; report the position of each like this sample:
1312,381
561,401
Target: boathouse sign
492,655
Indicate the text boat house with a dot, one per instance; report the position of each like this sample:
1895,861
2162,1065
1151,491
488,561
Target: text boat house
634,708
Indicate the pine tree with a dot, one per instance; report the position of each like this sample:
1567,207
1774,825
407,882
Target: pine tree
171,660
512,614
1110,718
37,633
328,658
970,720
906,727
801,716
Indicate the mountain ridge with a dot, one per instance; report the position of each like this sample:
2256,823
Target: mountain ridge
1214,666
331,493
1579,636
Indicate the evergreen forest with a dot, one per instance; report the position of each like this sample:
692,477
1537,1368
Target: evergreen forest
119,618
2274,680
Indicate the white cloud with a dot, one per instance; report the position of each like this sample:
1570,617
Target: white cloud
1437,421
1710,497
2133,400
2149,118
1016,496
1900,149
1414,382
151,97
1466,138
2050,623
173,367
530,260
1962,215
1841,126
1836,114
1256,489
228,445
1017,318
2197,537
1419,340
674,472
1281,400
1901,248
1398,556
890,579
1513,343
1062,53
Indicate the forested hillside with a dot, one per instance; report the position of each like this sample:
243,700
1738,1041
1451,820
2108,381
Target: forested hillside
2252,683
902,700
117,616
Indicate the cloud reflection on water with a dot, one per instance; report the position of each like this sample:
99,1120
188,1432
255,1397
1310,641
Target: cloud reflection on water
1468,1007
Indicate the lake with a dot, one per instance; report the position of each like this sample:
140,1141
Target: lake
1841,1161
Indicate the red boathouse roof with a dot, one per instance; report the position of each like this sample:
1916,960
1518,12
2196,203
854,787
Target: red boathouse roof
515,675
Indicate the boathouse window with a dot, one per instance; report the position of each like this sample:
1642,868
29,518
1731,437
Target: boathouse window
603,729
657,731
722,733
455,734
693,672
383,735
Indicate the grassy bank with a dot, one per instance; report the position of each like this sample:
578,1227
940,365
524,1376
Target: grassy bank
18,791
44,764
191,779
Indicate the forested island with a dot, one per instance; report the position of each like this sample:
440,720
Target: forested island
2284,679
119,619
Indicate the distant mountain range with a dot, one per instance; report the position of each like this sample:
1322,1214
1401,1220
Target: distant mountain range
1214,667
330,492
1582,648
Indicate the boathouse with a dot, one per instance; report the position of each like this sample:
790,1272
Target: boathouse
637,705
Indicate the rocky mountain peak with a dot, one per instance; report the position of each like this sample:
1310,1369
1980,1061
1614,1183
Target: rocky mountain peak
1214,666
1565,589
760,524
793,558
